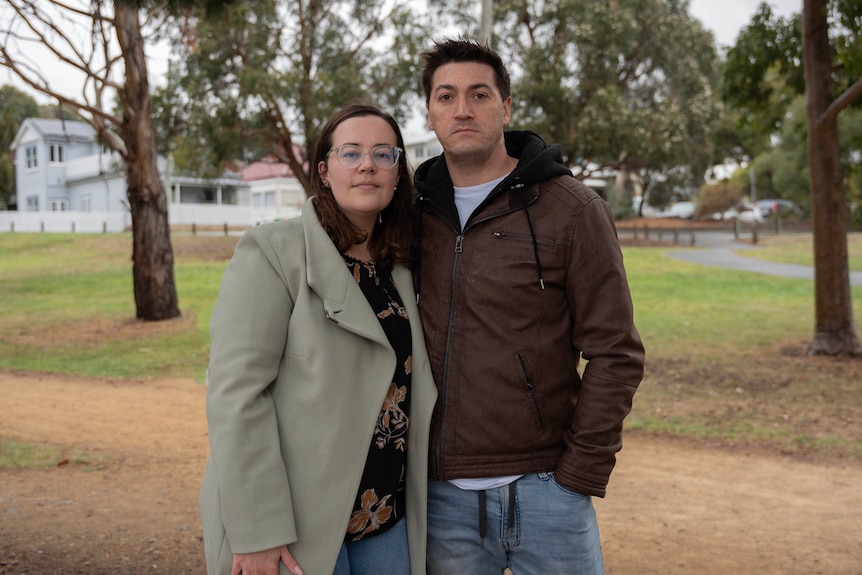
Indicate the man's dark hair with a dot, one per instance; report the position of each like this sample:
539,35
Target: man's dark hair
449,50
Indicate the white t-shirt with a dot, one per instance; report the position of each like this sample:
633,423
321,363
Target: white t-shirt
467,200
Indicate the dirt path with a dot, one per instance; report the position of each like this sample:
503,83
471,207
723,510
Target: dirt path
672,508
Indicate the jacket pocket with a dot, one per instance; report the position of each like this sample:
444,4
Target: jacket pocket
531,391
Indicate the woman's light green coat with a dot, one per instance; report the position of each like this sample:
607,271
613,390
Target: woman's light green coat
299,368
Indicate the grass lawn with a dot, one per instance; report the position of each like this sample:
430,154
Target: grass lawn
726,350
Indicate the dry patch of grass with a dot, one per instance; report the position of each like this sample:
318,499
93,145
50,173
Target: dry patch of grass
777,399
99,330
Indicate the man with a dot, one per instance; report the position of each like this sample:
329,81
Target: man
519,273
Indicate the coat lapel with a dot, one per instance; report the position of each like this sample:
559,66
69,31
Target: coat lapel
343,300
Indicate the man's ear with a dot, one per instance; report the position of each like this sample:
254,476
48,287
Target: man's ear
507,110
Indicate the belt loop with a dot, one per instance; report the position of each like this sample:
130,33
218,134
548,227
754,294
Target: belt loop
483,515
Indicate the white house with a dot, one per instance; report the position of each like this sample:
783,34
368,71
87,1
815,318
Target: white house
275,192
66,181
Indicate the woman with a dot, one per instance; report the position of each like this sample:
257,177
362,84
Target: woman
320,393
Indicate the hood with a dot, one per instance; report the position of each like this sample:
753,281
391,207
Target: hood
537,161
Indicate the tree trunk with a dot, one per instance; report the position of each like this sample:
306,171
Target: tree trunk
834,331
152,253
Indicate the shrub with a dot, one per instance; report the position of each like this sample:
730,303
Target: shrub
717,197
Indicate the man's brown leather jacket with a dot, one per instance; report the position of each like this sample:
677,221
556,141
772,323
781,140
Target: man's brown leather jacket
509,305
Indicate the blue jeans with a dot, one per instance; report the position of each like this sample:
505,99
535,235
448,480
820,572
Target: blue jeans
384,554
545,530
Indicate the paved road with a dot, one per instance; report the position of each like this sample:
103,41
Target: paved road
716,249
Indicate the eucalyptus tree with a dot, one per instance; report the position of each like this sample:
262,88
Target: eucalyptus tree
267,75
834,330
101,44
624,85
817,54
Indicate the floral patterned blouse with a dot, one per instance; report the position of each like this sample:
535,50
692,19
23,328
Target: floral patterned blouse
380,500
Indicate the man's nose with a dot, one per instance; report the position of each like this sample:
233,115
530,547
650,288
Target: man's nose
463,108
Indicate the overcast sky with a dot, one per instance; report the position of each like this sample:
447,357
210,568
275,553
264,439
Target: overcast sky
726,17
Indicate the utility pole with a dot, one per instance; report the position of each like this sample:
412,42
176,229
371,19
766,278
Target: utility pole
486,22
753,179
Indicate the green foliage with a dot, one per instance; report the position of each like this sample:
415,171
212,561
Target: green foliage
264,76
712,198
15,107
618,84
763,71
762,75
782,170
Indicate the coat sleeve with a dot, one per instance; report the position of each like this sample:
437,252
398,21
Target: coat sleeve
604,331
249,332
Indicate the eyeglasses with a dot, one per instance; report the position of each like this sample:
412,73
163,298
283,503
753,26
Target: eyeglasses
350,156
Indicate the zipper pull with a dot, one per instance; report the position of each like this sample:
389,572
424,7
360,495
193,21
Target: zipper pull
459,244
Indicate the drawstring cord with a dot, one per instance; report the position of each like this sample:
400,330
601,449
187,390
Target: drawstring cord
535,244
483,512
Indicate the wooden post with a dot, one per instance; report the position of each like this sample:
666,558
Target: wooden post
194,229
225,228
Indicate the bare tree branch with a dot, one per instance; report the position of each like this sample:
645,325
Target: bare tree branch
842,101
92,55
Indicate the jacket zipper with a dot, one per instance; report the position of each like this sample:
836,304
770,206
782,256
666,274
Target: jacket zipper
531,390
502,234
459,247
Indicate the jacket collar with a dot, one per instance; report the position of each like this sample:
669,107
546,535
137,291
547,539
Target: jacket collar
327,275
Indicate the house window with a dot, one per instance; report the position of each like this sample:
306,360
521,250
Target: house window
32,203
32,161
86,204
59,206
58,153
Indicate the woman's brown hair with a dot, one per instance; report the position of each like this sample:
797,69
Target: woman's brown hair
392,237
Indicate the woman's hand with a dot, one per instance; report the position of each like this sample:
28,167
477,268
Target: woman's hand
264,562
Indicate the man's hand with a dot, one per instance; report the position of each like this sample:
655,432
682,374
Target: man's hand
264,562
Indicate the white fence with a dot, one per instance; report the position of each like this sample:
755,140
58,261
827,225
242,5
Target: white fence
75,222
114,222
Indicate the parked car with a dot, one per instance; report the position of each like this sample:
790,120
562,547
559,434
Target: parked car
684,210
784,208
744,212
